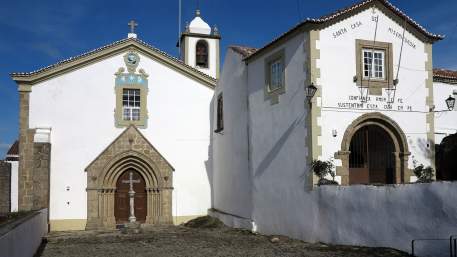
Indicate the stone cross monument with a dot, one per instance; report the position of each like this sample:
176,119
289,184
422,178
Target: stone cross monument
132,217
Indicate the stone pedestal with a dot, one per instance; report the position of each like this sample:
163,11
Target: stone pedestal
131,228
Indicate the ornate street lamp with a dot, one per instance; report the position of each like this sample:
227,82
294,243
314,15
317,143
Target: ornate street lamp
310,91
450,102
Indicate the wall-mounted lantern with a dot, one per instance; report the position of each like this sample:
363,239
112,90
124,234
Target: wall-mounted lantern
450,102
310,91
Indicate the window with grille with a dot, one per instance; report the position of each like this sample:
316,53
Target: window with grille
131,104
275,70
276,74
373,64
220,114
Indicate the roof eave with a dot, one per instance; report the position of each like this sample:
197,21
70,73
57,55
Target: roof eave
22,78
432,38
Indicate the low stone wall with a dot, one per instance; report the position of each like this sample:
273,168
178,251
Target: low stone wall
5,187
233,221
23,237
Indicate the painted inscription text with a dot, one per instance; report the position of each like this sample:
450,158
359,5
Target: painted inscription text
400,36
374,103
344,30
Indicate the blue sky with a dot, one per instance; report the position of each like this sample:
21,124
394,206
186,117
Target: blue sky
38,33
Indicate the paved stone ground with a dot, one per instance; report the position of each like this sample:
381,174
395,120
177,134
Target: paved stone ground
172,241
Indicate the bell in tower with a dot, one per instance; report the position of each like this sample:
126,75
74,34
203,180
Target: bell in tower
200,46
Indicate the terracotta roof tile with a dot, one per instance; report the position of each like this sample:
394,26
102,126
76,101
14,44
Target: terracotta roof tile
443,75
330,17
14,149
13,152
245,51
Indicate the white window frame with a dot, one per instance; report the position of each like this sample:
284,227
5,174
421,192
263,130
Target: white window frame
275,65
131,107
372,73
276,74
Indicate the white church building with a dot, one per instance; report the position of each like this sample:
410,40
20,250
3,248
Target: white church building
356,87
123,112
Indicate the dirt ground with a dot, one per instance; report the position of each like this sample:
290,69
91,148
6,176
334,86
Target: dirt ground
193,240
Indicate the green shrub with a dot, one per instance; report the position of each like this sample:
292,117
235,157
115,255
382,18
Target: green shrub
423,174
322,169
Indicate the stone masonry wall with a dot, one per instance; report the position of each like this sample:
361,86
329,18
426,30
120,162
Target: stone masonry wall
41,170
34,161
25,182
5,187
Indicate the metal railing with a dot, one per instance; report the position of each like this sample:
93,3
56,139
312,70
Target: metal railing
452,244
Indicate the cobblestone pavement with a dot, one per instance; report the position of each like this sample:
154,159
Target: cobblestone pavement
168,241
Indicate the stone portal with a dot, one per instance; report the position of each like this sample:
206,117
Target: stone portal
384,160
107,197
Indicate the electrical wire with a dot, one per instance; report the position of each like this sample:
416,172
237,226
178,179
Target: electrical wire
394,86
363,98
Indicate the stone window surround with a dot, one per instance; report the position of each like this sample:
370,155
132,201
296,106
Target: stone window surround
273,95
374,85
120,122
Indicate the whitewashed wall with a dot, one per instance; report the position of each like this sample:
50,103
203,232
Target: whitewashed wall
278,146
388,216
213,45
337,64
79,107
24,236
231,178
445,122
14,185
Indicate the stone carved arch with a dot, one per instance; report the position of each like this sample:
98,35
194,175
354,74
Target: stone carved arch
131,150
402,173
135,160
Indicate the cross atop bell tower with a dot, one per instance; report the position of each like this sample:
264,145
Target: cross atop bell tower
132,24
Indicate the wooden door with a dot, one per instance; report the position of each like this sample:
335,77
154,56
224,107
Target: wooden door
122,200
372,157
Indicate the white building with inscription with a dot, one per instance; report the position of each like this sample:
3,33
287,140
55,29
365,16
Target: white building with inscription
355,86
88,122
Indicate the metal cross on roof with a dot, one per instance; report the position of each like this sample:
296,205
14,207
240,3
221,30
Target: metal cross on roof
132,24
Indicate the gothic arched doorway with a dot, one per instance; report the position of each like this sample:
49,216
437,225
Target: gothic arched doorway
372,156
122,198
374,149
107,201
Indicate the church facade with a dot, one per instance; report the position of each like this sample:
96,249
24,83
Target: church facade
355,87
121,117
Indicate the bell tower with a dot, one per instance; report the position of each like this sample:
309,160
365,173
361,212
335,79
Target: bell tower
200,46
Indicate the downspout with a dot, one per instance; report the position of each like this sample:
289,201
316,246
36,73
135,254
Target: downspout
248,127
